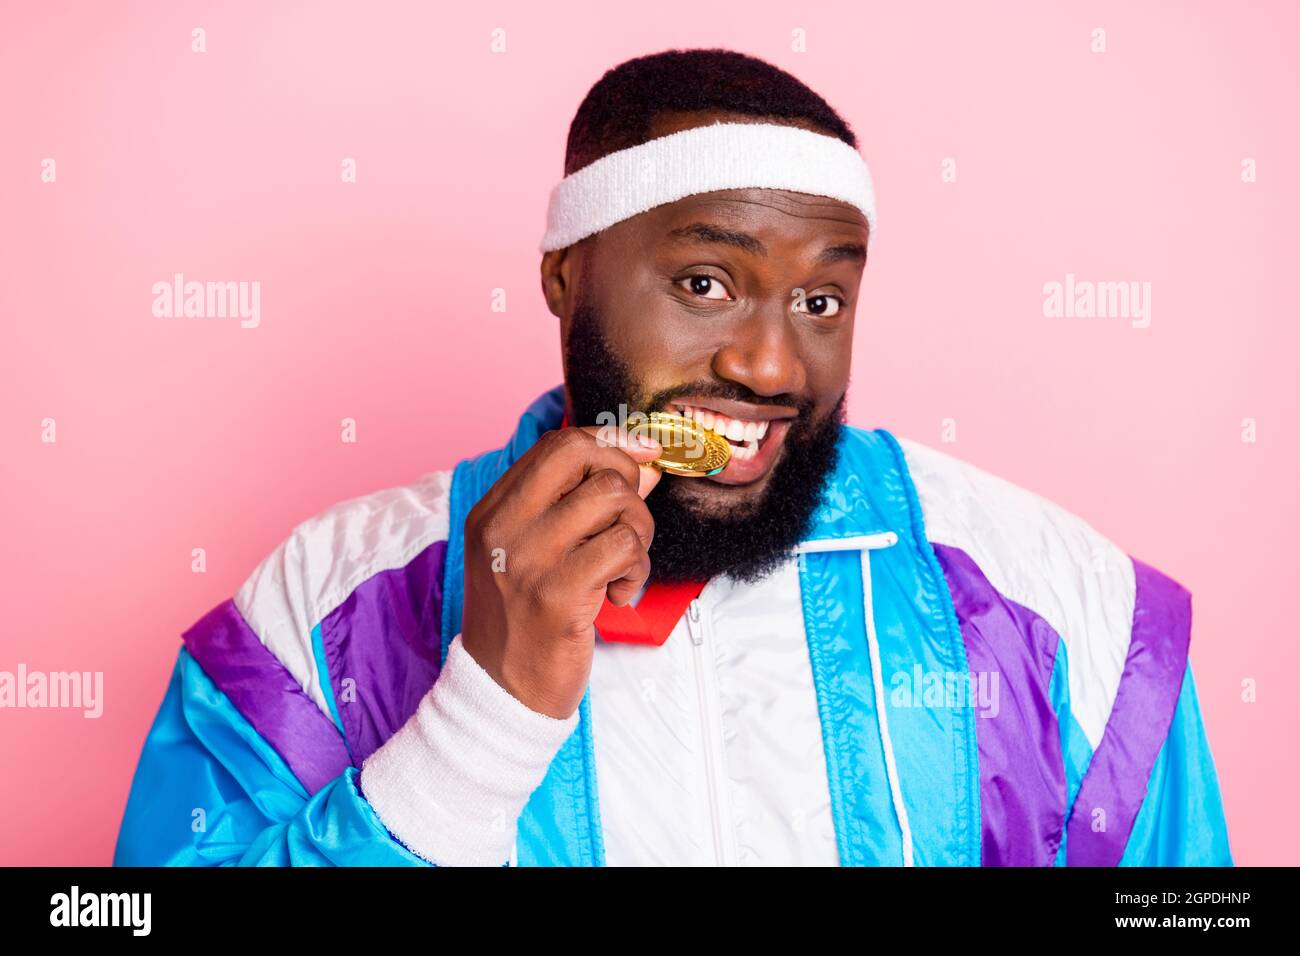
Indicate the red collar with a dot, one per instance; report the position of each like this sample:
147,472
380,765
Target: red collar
655,615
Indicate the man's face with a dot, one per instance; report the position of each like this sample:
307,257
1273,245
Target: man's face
697,305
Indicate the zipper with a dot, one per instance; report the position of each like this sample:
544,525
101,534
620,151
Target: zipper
724,850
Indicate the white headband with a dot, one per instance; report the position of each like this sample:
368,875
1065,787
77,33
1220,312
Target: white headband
701,160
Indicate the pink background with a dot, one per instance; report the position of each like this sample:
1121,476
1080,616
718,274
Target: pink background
376,305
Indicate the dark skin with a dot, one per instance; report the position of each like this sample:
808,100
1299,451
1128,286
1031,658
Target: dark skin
692,293
741,329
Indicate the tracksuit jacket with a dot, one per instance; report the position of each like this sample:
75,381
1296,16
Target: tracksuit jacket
948,671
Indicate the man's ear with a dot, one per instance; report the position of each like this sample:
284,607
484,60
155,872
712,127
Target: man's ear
558,281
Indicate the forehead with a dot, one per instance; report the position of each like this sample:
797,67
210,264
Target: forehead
756,221
777,207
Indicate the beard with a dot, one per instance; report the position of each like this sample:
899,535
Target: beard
690,542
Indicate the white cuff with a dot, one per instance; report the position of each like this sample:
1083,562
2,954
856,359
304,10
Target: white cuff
452,781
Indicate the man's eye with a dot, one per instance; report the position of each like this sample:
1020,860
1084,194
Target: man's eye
705,286
820,305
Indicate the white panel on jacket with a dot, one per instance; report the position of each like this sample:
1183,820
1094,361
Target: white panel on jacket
740,710
1041,556
328,556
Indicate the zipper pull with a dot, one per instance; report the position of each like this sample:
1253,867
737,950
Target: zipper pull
693,623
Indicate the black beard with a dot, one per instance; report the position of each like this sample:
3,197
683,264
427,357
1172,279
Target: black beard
689,546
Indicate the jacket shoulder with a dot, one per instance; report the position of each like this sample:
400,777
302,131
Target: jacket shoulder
328,557
1038,554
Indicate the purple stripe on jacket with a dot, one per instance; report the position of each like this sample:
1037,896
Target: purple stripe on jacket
382,648
1022,775
268,695
1116,781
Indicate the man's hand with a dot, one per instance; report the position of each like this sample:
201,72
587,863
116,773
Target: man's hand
565,526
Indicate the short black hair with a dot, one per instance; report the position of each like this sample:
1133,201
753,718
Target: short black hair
619,109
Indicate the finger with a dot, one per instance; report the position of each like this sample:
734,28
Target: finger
556,464
635,441
596,504
639,445
613,555
622,591
647,479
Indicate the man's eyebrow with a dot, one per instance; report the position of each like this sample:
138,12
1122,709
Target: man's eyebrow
844,252
707,232
704,232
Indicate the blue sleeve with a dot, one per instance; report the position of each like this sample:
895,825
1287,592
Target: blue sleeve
210,791
1181,821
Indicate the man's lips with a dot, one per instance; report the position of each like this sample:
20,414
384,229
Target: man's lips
755,433
743,471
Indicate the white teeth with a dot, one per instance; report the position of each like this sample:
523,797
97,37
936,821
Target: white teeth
734,429
745,451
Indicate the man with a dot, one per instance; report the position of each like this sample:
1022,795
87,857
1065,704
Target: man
841,649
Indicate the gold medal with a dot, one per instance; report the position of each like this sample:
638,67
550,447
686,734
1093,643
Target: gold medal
690,449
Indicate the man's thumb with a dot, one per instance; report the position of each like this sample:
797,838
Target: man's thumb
640,446
650,476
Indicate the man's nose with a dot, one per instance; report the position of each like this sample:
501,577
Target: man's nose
762,353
